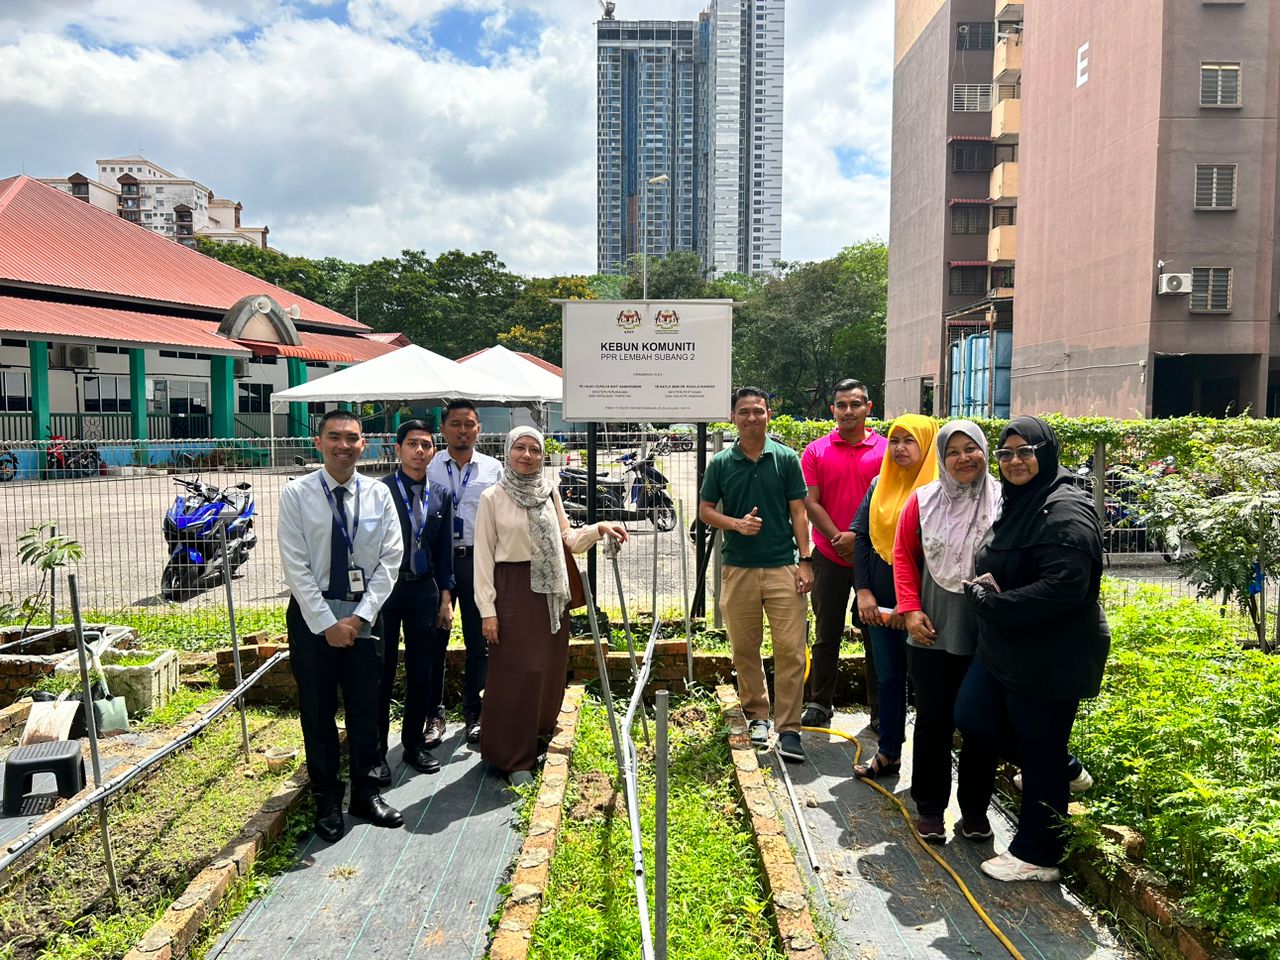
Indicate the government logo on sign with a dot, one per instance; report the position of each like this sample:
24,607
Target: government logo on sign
629,319
667,320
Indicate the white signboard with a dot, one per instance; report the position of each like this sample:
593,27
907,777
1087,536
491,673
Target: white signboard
664,361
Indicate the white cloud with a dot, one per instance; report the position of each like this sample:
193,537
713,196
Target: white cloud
360,139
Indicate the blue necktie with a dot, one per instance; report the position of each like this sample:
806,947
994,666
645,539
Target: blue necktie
339,584
418,560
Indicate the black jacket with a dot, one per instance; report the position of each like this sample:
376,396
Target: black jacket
437,534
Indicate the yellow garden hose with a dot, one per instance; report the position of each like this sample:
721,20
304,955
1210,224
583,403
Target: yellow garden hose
977,908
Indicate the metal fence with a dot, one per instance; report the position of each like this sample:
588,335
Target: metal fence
112,498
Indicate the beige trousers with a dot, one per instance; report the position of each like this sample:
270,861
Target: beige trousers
747,595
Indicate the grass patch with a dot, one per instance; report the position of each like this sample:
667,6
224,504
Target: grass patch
1183,744
164,831
717,904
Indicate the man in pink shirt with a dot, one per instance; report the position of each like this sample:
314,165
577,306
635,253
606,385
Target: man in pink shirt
838,469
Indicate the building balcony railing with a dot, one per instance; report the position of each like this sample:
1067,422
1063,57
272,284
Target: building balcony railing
1006,120
1002,245
1004,182
1008,11
1008,59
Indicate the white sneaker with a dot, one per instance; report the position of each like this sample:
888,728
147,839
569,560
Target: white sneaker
1079,784
1009,868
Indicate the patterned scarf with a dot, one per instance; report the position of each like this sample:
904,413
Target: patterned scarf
954,517
547,572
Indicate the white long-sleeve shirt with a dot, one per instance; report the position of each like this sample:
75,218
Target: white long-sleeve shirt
304,531
479,475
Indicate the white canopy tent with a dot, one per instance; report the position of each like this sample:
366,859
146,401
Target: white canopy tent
518,372
410,373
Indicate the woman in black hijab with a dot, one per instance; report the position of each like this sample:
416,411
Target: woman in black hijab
1042,644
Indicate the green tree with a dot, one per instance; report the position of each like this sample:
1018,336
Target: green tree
319,281
812,324
534,320
677,276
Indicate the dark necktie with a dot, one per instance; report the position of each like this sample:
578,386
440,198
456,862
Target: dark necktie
339,584
418,561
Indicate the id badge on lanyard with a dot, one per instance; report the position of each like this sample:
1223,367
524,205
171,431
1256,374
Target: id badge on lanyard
415,540
355,576
456,494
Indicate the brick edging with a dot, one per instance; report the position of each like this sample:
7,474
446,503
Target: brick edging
1142,898
529,884
172,935
790,899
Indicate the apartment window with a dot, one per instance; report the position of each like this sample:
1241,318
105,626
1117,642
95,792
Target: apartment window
976,35
1001,277
1007,91
968,218
971,157
1004,216
1211,289
968,280
1215,186
1219,84
971,97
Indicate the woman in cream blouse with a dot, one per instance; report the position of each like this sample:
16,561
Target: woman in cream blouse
522,590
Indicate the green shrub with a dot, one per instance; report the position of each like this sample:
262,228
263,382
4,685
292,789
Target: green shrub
1183,743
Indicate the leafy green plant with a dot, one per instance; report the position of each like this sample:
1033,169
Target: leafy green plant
1226,506
48,552
1182,742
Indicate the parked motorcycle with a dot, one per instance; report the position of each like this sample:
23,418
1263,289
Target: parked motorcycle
191,533
8,465
642,498
72,457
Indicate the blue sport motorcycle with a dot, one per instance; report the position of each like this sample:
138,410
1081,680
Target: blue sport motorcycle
191,533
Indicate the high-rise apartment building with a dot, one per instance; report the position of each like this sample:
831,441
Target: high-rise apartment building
699,103
176,207
1134,183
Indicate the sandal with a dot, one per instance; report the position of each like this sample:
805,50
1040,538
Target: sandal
879,766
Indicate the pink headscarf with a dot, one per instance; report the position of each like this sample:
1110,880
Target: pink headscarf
954,517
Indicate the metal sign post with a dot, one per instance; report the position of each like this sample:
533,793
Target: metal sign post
660,827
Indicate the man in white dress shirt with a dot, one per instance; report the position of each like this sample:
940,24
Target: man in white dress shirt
466,474
341,547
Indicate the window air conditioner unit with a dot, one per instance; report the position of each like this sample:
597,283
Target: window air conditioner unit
1174,284
76,356
240,368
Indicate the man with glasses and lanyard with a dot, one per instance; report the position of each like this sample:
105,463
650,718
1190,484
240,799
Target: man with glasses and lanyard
420,601
340,547
466,474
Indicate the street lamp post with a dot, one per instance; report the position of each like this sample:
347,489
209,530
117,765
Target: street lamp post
644,231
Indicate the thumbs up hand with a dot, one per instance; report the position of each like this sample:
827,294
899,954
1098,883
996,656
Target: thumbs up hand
750,525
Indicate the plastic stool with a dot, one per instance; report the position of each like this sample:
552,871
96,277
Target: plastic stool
62,758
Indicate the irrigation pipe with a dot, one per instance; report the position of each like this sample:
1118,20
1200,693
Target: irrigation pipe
906,816
795,806
27,841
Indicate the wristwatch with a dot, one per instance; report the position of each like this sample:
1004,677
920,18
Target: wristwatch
804,559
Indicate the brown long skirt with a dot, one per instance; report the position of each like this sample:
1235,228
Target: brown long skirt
527,670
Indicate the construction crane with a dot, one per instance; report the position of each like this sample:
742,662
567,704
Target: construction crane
608,7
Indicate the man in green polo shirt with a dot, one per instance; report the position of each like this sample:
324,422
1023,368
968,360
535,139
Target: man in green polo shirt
761,490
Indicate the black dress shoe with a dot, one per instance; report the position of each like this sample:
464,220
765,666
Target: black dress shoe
473,731
377,811
383,774
435,732
422,761
329,823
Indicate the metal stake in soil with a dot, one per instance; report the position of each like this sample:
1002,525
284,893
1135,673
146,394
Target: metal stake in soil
684,583
91,725
610,548
795,806
660,828
605,692
53,587
235,639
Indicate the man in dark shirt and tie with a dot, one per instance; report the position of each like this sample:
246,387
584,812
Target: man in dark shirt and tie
421,600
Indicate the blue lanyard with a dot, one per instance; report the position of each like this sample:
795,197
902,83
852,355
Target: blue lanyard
348,536
456,493
408,505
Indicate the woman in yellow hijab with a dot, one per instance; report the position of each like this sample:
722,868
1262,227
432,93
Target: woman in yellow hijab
910,461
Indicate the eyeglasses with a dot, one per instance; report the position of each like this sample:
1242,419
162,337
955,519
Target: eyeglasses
1024,452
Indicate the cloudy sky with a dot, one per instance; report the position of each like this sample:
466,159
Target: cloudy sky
357,128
